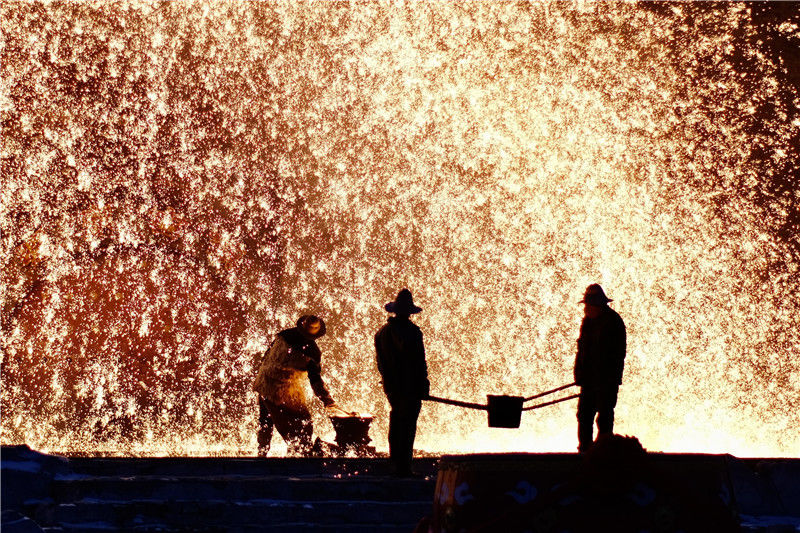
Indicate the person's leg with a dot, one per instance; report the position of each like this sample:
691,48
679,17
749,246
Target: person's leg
411,432
402,432
264,435
395,434
294,425
606,401
586,412
301,442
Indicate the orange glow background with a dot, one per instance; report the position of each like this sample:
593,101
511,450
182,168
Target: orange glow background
183,180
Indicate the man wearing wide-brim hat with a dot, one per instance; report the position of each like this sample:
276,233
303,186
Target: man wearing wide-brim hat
293,357
400,354
598,365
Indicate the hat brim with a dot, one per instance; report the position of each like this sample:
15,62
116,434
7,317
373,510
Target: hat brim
304,331
603,300
393,307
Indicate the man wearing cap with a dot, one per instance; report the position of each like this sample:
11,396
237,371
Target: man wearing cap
401,362
293,356
598,365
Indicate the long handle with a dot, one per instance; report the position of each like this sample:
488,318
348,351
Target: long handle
537,406
545,393
458,403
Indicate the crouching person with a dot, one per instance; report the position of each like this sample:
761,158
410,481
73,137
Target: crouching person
293,356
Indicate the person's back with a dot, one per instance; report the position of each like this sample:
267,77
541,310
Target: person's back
601,349
401,357
284,369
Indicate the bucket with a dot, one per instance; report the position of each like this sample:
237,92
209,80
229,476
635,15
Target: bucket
351,431
504,411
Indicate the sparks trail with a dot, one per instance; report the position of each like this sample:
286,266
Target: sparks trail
496,156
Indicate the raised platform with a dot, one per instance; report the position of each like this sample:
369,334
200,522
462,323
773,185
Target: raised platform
473,492
602,492
210,494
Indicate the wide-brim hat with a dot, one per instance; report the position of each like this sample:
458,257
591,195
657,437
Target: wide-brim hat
595,295
306,320
403,304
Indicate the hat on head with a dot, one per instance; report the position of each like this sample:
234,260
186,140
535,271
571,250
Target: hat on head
594,295
304,323
403,304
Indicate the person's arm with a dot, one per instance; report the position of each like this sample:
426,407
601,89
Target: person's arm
378,354
318,386
578,371
259,384
423,370
382,357
621,347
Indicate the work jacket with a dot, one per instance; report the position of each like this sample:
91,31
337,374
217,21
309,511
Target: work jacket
601,350
291,358
400,354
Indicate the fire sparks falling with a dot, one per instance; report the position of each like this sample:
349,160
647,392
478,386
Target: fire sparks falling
181,181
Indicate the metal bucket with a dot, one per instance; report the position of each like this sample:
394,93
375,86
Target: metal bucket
504,411
351,431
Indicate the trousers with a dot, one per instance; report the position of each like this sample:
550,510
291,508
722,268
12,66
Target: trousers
595,401
293,425
402,432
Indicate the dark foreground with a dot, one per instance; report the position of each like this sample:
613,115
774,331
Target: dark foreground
503,492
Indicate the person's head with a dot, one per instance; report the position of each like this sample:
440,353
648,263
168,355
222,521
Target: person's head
311,326
594,300
403,305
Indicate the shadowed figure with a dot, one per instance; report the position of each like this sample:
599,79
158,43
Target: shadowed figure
598,365
401,361
282,402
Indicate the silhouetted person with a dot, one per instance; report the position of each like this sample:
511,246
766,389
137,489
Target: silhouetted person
598,365
401,362
282,403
